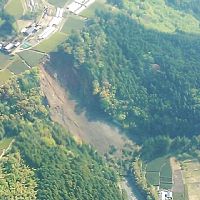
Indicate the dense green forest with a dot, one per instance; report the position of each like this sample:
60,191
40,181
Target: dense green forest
6,21
146,80
44,161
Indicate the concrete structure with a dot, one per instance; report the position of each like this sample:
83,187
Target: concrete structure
73,7
30,31
165,195
55,21
9,46
78,6
47,32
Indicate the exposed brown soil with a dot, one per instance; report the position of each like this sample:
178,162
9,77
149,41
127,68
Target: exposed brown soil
63,110
178,185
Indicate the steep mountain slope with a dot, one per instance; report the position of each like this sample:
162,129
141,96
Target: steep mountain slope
188,6
59,168
165,15
146,80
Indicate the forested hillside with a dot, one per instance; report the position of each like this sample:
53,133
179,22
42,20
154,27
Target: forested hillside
146,80
6,21
44,161
163,15
190,6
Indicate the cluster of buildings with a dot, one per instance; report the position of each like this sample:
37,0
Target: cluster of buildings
165,195
52,24
78,6
8,47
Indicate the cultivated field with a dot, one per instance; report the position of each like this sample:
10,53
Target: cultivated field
32,58
191,173
51,43
17,66
72,23
15,8
5,59
159,173
179,188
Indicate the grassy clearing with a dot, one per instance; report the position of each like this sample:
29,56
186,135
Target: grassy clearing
4,143
191,173
32,58
72,23
90,11
4,60
4,76
153,178
51,43
157,15
58,3
18,66
14,8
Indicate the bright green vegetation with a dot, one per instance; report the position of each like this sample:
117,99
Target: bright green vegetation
147,81
58,3
4,59
155,165
166,172
159,172
72,23
148,191
189,6
153,178
5,142
63,169
4,76
14,8
51,44
17,66
17,180
32,58
162,17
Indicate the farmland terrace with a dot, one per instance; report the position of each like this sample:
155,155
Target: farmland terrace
35,34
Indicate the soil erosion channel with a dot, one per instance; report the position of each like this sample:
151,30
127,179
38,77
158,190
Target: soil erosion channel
97,133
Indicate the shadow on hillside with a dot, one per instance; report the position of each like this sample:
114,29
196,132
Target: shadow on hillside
60,65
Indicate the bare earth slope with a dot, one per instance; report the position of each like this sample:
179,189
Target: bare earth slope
98,133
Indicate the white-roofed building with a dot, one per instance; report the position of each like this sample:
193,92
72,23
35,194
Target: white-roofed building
57,12
74,7
55,21
88,3
47,32
61,12
9,46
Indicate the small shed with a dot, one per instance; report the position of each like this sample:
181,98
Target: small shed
30,31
